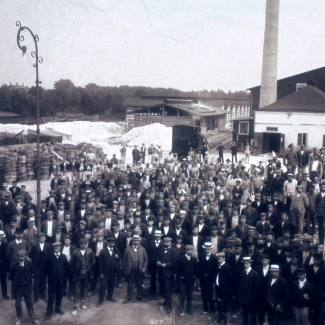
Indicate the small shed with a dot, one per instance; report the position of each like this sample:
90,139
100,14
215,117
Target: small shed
243,130
45,136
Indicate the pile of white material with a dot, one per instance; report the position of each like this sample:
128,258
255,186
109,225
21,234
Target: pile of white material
85,131
100,133
156,134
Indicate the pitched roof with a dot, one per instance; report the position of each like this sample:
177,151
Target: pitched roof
307,99
8,114
199,109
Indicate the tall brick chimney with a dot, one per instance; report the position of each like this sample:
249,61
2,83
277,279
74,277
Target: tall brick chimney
268,92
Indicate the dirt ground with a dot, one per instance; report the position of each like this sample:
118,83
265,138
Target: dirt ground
134,313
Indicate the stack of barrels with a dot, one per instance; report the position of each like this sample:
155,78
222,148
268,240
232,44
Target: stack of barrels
21,168
11,167
30,158
19,163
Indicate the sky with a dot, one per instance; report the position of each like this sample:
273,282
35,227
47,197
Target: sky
184,44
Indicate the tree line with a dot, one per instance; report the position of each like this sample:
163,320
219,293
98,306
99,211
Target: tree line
92,99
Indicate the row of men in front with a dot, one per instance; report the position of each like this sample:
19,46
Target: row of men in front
246,275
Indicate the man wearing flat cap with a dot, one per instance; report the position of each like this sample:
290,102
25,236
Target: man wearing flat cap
135,263
21,275
82,262
48,227
166,265
186,269
56,267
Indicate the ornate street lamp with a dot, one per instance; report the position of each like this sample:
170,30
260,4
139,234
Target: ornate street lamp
38,60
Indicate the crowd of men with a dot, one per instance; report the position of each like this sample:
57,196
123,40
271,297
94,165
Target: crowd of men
245,236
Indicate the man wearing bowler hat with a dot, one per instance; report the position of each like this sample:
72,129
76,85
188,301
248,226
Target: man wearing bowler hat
166,264
303,296
21,275
56,267
108,265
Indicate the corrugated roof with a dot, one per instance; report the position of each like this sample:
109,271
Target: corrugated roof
8,114
307,99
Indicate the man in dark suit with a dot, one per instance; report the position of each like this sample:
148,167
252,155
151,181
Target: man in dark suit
224,286
147,202
67,249
186,269
21,275
303,296
196,241
249,286
120,244
56,267
3,265
14,246
166,265
155,248
108,265
208,266
277,296
39,255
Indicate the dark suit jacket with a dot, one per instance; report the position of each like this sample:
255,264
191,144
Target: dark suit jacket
200,243
14,275
226,280
38,257
205,231
249,287
107,263
187,269
120,242
3,260
128,257
278,293
169,258
56,269
44,229
207,270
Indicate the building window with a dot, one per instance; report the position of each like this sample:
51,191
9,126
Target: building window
243,128
270,128
302,139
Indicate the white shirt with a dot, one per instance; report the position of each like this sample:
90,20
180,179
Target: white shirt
82,252
265,270
49,228
42,246
248,270
66,251
272,281
302,283
99,248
